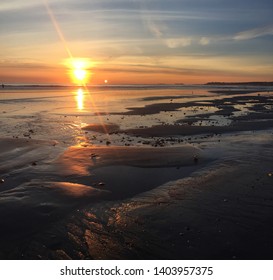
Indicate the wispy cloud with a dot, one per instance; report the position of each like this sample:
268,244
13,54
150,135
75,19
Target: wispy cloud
204,41
254,33
178,42
155,29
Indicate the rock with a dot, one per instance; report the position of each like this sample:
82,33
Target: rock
2,181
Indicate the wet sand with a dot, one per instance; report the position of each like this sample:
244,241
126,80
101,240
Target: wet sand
166,196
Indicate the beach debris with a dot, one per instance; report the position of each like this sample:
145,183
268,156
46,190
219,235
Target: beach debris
2,181
55,143
195,159
93,155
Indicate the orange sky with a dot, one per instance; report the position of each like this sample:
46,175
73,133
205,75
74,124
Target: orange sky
126,75
136,42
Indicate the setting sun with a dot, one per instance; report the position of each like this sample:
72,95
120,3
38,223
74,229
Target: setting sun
80,74
78,70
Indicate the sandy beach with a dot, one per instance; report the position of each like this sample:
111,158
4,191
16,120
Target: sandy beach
183,174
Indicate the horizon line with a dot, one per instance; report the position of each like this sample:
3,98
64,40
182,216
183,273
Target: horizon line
131,84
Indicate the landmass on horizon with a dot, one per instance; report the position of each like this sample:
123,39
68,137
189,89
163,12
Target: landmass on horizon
253,84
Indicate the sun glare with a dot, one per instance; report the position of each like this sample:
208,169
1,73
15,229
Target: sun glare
80,74
79,70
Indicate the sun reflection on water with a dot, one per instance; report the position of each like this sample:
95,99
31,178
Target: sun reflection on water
80,99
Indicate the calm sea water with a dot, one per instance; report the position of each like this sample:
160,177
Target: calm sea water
58,113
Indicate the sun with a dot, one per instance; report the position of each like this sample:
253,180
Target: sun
80,74
79,70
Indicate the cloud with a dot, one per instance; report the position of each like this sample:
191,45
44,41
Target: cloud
254,33
178,42
204,41
155,30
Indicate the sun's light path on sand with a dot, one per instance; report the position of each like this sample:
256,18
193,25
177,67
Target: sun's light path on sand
70,56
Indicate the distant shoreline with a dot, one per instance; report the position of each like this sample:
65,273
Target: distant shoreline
264,84
240,84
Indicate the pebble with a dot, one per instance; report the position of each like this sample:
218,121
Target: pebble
2,181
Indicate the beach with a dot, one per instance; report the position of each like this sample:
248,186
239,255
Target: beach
136,172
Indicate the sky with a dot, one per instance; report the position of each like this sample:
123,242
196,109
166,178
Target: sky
136,41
